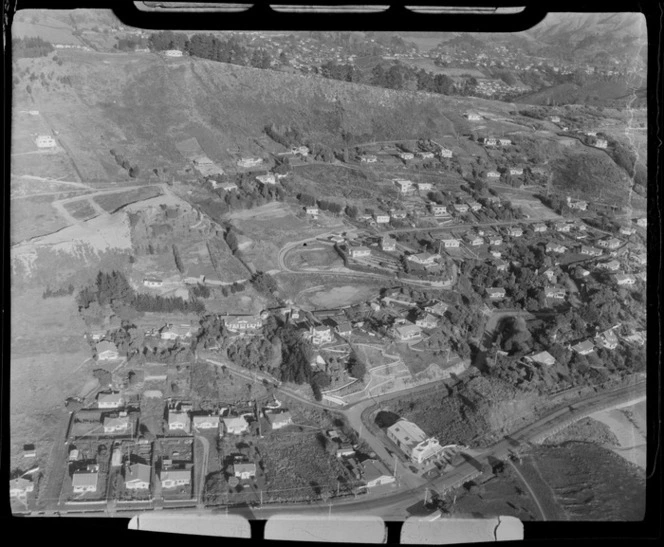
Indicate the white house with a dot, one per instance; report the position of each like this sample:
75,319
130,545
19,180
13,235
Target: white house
321,334
495,293
643,222
369,159
473,117
152,282
438,210
268,178
424,186
539,227
495,240
488,141
175,477
600,143
173,53
474,240
359,251
388,244
590,251
445,153
492,175
84,481
543,357
514,231
249,162
625,279
179,421
555,293
206,422
506,142
110,400
438,308
555,247
611,243
138,477
583,348
405,186
279,419
107,351
382,218
244,470
563,227
413,441
460,207
406,156
242,323
516,170
427,321
227,186
425,155
607,339
45,141
627,230
612,266
423,258
374,473
235,425
19,487
554,119
406,332
116,425
313,211
450,242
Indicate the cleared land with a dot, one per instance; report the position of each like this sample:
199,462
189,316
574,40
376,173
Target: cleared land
32,217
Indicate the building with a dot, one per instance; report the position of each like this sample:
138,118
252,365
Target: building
382,218
406,155
206,422
636,338
249,162
539,227
301,150
138,477
492,175
313,211
228,186
110,400
549,274
173,53
388,244
474,205
600,143
179,421
612,265
473,117
427,321
268,178
344,328
450,242
583,348
460,207
242,323
501,265
495,293
495,239
438,308
404,333
607,340
563,227
174,332
627,230
488,141
369,159
374,473
413,441
423,258
611,243
515,171
555,247
625,279
399,215
235,425
590,251
424,186
405,186
20,487
425,155
119,424
474,240
445,153
554,119
438,210
555,293
279,419
244,471
107,351
84,481
514,231
359,251
643,222
175,477
152,282
543,357
577,204
45,141
582,272
506,142
320,335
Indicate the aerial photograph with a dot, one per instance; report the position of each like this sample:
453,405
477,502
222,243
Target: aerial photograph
395,274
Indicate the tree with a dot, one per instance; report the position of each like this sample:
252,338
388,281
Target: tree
356,368
178,260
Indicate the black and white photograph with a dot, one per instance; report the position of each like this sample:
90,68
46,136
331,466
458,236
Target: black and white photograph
375,273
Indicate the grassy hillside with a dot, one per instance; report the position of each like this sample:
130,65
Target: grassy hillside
614,93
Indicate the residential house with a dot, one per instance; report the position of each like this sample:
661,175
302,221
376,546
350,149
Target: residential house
249,162
244,471
611,243
607,340
555,293
382,218
555,247
138,477
242,323
460,207
320,335
374,473
110,400
583,348
119,424
426,321
345,450
388,244
495,293
413,441
473,117
514,231
206,422
554,119
495,240
550,275
301,150
590,251
313,211
627,230
600,143
506,142
474,205
495,253
359,251
425,155
643,222
450,242
563,227
423,258
107,351
438,210
515,171
489,141
268,178
445,153
474,240
406,332
179,421
582,272
577,204
84,481
492,174
45,141
152,282
228,186
636,338
279,419
612,266
235,425
405,186
344,328
406,155
437,308
539,227
424,186
19,488
501,265
369,159
175,332
493,200
543,357
625,279
173,53
173,478
399,215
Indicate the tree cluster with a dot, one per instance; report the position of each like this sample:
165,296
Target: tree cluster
30,47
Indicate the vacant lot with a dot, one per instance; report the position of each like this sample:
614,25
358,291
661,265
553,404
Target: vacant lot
32,217
320,257
112,202
338,296
80,209
338,181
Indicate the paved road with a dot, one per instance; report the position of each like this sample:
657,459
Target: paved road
530,490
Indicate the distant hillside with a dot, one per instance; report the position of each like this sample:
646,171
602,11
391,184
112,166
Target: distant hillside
574,27
597,93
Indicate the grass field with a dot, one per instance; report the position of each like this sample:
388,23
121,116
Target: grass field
32,217
112,202
313,256
80,209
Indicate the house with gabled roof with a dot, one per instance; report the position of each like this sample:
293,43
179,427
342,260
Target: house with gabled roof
555,247
612,265
423,258
84,481
624,279
359,251
539,227
583,348
450,242
138,477
235,425
210,421
554,292
460,207
172,478
374,473
20,487
179,421
244,471
436,308
610,243
438,210
426,321
388,244
514,231
119,424
495,293
406,332
382,218
107,351
110,400
607,340
543,357
279,419
424,186
590,251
